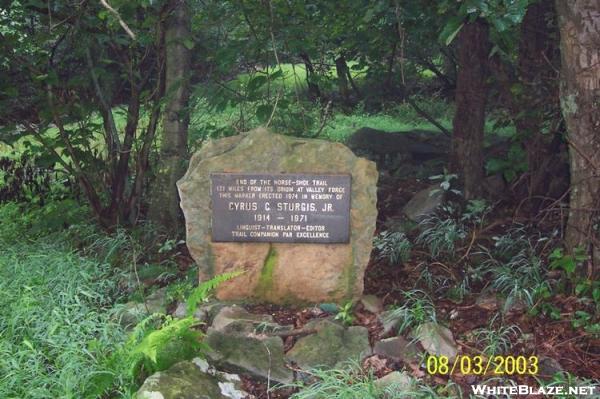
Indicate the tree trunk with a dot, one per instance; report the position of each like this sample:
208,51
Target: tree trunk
342,72
313,88
538,95
164,203
469,119
579,22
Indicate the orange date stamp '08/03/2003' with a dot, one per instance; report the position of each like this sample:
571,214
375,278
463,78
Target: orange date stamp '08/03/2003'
482,365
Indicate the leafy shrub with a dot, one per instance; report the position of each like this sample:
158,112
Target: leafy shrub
496,338
349,381
418,308
58,333
393,246
441,231
514,268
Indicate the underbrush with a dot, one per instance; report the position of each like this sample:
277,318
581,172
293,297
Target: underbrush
58,332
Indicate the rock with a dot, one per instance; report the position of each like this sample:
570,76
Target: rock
372,304
395,382
133,312
420,144
191,380
241,345
389,321
281,273
396,348
436,340
229,314
487,301
331,345
205,312
548,367
237,339
424,203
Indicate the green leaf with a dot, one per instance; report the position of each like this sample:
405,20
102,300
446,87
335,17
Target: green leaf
188,43
263,112
451,29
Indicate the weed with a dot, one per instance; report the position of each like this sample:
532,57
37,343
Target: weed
418,308
441,231
58,332
393,246
349,381
345,313
515,269
496,338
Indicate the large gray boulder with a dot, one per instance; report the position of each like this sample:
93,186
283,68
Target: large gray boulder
331,346
194,379
280,272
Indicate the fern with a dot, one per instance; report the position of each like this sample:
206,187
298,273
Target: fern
203,291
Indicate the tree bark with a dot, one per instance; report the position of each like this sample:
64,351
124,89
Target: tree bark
164,202
471,94
342,73
539,95
579,22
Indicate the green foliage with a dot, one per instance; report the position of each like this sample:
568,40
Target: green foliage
441,231
149,350
203,291
418,308
446,183
496,338
566,262
393,246
58,333
347,382
566,379
344,313
513,165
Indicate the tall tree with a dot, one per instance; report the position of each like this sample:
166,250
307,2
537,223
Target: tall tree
579,22
164,204
471,95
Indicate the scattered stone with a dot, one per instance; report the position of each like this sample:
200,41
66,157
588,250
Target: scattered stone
396,348
395,382
240,346
436,340
205,312
281,273
191,380
488,301
331,345
372,303
230,314
424,203
548,367
389,321
133,312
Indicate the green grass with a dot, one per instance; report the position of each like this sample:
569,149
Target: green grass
58,329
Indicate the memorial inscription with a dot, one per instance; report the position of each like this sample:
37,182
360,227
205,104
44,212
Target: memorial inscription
299,208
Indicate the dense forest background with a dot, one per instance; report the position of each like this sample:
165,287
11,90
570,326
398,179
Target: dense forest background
103,102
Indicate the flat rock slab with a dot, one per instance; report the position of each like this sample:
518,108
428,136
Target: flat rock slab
424,203
191,380
240,347
331,345
437,340
283,273
396,348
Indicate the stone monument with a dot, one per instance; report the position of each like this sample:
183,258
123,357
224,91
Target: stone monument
296,215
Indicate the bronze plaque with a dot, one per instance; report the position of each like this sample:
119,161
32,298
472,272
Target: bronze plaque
280,207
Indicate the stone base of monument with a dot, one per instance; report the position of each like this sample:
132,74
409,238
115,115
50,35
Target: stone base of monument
288,272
